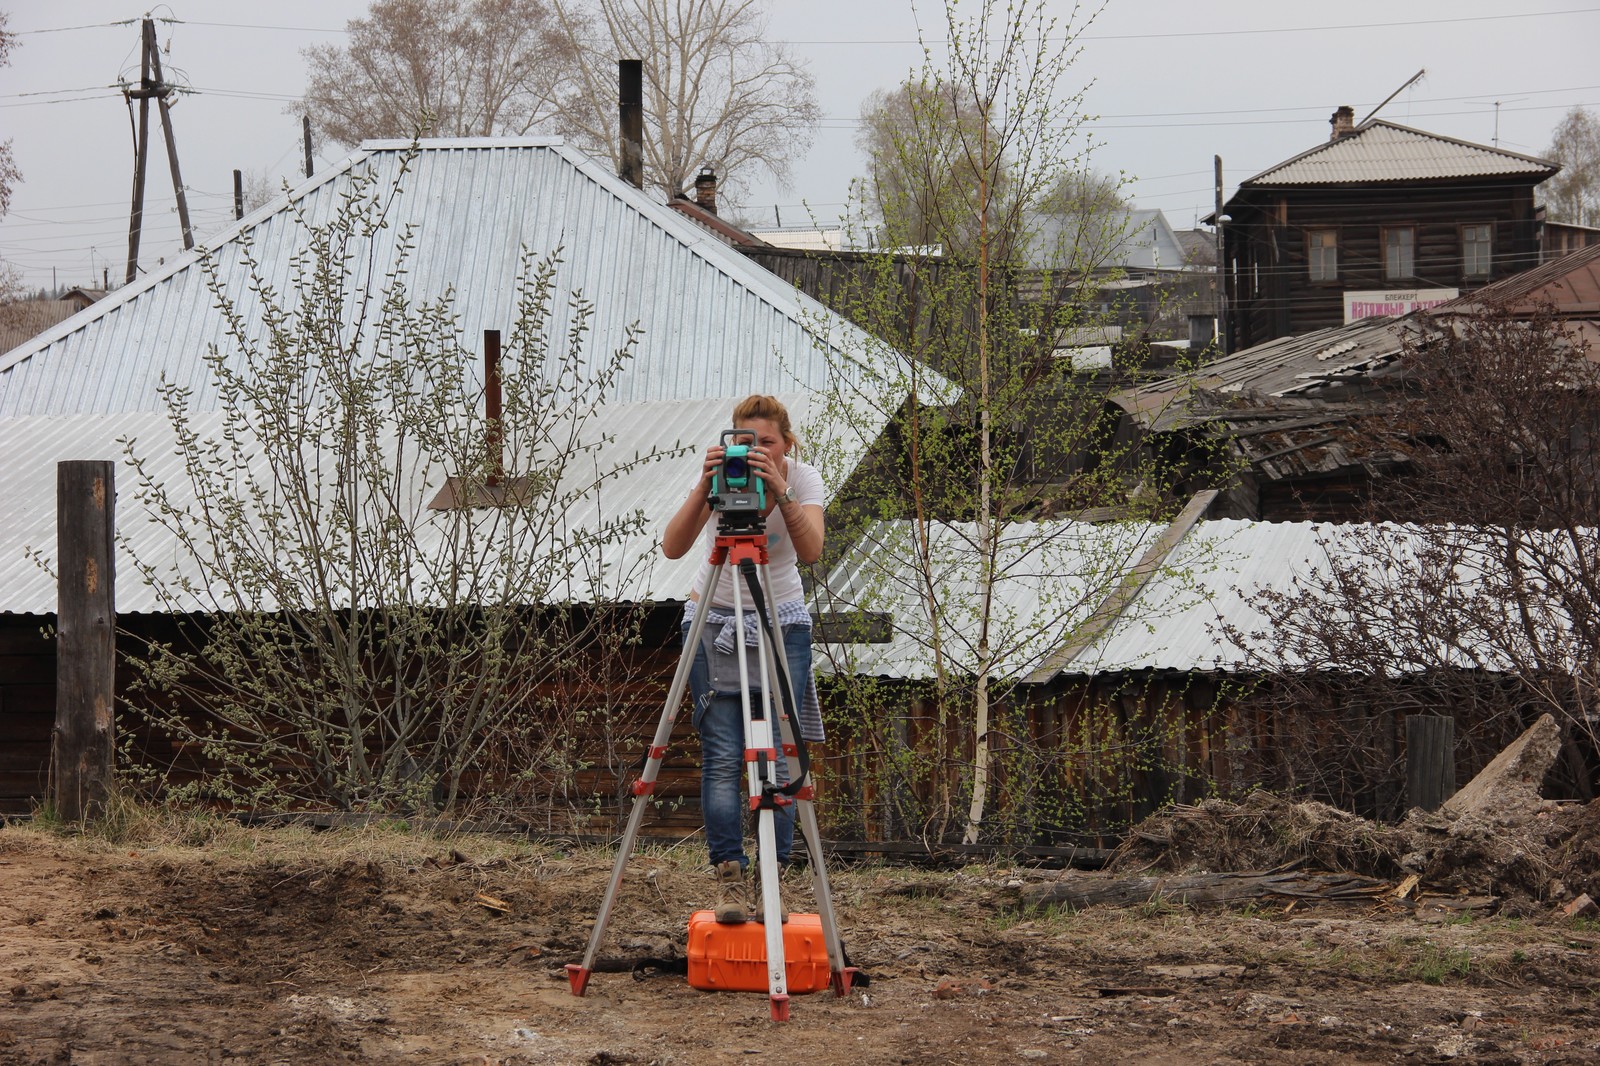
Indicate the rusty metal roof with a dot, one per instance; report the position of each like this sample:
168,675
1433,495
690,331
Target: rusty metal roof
1379,151
1310,364
1569,285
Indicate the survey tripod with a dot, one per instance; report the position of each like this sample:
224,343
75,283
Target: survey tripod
742,542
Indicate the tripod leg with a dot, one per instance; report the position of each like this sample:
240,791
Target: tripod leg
806,825
761,754
578,973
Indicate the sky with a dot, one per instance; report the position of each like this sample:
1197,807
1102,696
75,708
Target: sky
1169,84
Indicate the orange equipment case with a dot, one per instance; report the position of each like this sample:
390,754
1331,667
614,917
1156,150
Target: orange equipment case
733,958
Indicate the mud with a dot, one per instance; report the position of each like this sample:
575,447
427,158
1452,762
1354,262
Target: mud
266,954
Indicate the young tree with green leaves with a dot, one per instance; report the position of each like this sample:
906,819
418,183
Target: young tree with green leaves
980,273
378,587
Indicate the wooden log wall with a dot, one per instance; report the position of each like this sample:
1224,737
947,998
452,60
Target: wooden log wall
1272,295
1075,761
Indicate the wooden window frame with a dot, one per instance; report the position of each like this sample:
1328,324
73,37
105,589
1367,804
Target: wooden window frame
1331,277
1488,257
1383,250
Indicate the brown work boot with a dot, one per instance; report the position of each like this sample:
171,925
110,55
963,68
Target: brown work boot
761,903
732,907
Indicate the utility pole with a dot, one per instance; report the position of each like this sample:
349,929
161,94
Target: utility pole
152,86
1222,275
305,135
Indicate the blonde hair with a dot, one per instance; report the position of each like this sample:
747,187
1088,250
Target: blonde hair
770,408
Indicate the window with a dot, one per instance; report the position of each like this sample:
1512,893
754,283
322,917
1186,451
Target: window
1400,252
1476,248
1322,254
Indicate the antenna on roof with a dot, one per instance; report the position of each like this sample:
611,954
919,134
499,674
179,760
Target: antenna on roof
1409,82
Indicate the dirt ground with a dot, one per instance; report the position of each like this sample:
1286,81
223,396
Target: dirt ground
285,946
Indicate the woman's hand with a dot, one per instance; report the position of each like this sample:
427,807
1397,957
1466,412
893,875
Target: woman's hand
773,471
684,527
709,465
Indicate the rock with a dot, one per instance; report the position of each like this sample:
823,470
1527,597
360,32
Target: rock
1582,907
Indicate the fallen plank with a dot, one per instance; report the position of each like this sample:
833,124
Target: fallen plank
1087,891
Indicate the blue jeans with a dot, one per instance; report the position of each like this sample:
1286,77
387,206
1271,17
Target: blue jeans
719,719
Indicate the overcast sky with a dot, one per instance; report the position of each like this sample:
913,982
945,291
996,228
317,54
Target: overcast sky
1174,83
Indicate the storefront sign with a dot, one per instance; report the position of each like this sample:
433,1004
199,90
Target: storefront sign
1395,302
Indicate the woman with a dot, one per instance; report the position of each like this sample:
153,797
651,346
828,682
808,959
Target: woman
794,535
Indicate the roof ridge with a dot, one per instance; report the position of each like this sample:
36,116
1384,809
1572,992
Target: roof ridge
1349,141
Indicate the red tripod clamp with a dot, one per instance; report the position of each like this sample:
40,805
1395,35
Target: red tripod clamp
737,548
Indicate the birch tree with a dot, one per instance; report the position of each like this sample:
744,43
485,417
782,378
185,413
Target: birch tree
1574,194
968,504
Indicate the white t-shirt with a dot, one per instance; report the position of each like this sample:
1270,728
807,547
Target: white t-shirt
783,571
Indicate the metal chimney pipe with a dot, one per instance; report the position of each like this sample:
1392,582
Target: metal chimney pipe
494,435
630,115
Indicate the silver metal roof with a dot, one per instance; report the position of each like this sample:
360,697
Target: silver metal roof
1053,575
631,569
715,327
1379,151
714,324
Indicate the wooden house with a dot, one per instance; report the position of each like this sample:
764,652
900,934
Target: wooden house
1292,409
1381,219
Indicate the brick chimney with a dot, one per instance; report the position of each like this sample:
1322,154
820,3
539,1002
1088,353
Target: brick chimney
1343,123
705,188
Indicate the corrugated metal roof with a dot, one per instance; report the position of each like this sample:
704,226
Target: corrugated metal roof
1379,151
1050,577
1206,587
1571,285
714,324
631,568
715,327
1284,367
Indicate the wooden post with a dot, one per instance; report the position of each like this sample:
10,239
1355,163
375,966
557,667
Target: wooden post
136,215
1430,760
85,637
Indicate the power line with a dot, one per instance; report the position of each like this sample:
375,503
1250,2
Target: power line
1187,34
901,42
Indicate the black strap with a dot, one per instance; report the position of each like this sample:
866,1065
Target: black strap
644,968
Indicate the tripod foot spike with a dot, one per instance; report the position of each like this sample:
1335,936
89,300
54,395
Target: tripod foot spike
780,1008
843,979
578,978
